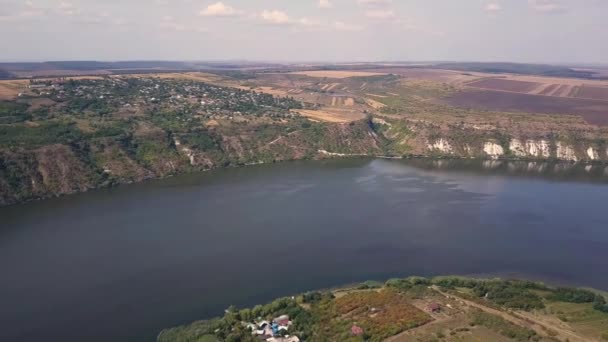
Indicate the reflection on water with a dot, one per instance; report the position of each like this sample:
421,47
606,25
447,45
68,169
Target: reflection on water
546,170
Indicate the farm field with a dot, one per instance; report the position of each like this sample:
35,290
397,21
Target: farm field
436,75
331,115
422,310
526,84
337,73
594,112
505,85
590,92
11,88
406,91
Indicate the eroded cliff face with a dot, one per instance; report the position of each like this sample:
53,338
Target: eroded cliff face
44,172
150,152
60,169
428,139
530,148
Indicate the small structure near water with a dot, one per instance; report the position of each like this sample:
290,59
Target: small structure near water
274,331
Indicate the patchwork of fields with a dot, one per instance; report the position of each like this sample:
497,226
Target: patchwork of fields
349,95
581,89
594,112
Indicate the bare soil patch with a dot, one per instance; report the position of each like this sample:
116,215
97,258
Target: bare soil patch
375,104
591,92
11,88
331,115
593,111
272,91
504,85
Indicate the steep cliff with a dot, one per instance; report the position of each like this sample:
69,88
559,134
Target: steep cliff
147,151
429,139
150,152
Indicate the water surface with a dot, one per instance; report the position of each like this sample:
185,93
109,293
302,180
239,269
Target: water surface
121,264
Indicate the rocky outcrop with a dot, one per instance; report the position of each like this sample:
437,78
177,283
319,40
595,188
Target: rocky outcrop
593,154
441,145
565,152
493,150
530,148
44,172
60,169
151,152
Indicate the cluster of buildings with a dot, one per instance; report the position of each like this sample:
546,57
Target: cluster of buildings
275,331
198,98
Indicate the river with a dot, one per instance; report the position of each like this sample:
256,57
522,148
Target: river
121,264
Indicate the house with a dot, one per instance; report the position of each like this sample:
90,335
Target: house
433,307
356,330
282,320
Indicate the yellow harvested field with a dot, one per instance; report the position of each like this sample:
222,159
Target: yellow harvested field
195,76
331,87
337,73
11,88
331,115
375,104
271,91
376,95
339,101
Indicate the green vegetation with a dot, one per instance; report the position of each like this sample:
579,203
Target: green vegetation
127,129
52,132
571,295
13,112
504,327
382,311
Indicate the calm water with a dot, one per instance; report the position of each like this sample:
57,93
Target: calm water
121,264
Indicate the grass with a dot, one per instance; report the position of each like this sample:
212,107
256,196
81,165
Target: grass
502,326
381,313
582,317
52,132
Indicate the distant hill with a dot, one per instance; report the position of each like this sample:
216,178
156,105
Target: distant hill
517,68
4,74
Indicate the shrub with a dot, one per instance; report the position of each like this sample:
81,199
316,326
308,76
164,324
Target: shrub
571,295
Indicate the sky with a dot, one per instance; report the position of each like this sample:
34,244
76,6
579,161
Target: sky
541,31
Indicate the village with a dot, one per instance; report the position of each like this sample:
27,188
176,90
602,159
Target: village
104,96
275,331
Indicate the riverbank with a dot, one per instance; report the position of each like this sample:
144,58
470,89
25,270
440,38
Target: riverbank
557,168
421,309
143,151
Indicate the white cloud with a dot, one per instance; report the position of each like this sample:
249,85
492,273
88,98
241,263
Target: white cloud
169,23
375,3
325,4
275,17
493,7
341,26
380,14
67,8
547,6
219,9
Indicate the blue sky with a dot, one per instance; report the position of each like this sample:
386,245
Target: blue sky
550,31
